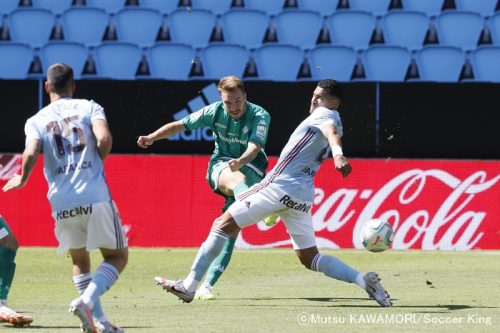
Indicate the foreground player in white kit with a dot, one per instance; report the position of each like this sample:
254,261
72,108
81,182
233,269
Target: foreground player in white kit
288,190
74,137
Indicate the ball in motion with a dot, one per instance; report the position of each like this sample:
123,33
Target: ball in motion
377,235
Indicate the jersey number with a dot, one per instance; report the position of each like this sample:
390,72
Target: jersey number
70,139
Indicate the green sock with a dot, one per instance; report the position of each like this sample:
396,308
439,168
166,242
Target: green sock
220,263
7,269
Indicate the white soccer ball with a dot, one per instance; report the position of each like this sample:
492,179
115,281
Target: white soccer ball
377,235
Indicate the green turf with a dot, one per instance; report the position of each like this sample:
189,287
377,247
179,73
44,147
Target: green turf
267,290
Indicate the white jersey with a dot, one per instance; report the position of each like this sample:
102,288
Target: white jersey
72,165
303,154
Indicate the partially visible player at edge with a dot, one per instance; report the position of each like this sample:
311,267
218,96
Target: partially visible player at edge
288,190
74,137
8,250
240,130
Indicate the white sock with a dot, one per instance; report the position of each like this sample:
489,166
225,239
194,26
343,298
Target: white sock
360,281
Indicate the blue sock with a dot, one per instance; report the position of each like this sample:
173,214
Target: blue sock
334,268
82,281
208,251
104,278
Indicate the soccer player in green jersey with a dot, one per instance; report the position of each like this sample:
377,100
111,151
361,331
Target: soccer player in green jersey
8,249
240,130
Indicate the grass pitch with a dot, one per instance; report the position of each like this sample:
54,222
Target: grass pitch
269,291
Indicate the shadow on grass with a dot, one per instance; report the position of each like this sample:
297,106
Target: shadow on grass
39,327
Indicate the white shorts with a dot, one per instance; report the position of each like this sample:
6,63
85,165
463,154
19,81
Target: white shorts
295,213
89,226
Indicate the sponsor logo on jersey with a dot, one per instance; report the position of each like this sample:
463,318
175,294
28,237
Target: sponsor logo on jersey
82,210
296,205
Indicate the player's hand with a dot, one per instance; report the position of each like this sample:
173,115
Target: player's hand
234,165
13,183
144,141
342,165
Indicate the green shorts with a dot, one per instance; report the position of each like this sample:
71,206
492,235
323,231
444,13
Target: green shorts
4,228
215,168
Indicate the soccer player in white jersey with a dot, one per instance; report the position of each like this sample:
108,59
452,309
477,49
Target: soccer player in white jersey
288,190
74,137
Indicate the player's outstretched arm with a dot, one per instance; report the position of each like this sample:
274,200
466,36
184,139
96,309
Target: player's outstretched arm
166,131
248,156
30,156
340,161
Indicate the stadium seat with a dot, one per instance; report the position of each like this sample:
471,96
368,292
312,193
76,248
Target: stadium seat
278,62
323,7
170,61
75,18
486,64
405,28
430,7
494,24
386,63
73,54
193,27
351,28
117,60
223,59
110,6
138,25
15,60
31,26
440,63
376,7
218,7
55,6
298,27
271,7
246,27
329,61
163,6
460,29
483,7
7,6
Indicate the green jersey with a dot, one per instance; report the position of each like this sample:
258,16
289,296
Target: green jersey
232,136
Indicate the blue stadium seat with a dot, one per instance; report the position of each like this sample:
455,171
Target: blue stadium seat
323,7
75,18
246,27
218,7
193,27
460,29
271,7
494,24
278,62
386,63
351,28
73,54
117,60
31,26
223,59
405,28
7,6
483,7
15,60
110,6
170,61
376,7
163,6
486,64
138,25
298,27
430,7
329,61
440,63
55,6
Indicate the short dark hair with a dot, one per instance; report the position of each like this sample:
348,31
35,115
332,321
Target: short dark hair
333,87
231,83
60,78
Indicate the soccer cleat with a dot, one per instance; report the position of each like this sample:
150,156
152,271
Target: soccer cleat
271,220
12,317
204,293
107,327
375,290
176,288
82,311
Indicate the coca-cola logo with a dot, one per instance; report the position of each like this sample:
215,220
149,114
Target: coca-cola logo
429,209
10,164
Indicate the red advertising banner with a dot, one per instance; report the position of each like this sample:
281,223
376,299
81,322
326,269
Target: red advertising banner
164,201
